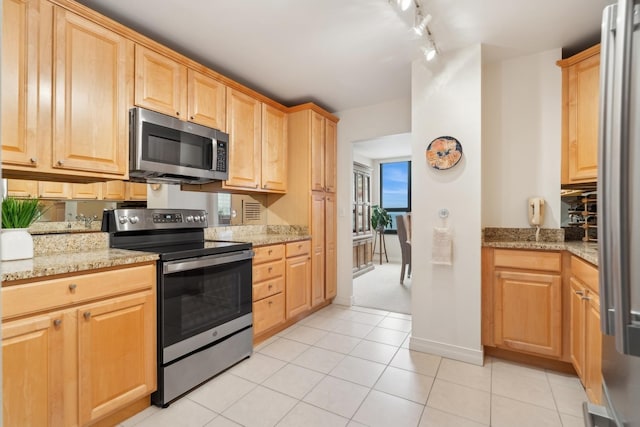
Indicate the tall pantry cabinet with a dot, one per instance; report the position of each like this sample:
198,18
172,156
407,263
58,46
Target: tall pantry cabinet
312,178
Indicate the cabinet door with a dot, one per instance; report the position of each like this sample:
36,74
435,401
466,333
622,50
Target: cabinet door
22,188
593,346
160,83
86,191
32,372
317,248
330,141
113,190
528,312
93,91
243,125
331,273
54,190
116,353
577,326
317,151
268,312
298,285
274,149
136,191
26,27
584,84
206,100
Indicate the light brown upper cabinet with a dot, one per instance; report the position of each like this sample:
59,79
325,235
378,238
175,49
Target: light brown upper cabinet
160,83
169,87
93,87
245,150
323,153
580,100
63,115
274,149
26,43
206,100
257,147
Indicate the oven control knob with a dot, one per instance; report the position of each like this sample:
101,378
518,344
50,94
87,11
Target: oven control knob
123,219
189,218
134,219
197,218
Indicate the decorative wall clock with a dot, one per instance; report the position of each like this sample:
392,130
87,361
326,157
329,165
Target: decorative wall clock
444,152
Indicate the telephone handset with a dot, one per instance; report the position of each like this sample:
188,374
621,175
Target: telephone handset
536,211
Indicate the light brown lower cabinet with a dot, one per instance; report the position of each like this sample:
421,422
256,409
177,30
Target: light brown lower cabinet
528,302
268,288
79,348
586,338
298,278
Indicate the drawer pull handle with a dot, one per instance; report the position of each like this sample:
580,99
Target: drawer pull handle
270,303
270,269
585,298
580,293
300,246
72,287
270,286
87,315
270,251
57,322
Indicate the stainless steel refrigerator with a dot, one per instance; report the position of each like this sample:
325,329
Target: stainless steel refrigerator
619,217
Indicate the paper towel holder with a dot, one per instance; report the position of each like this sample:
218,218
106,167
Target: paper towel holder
443,213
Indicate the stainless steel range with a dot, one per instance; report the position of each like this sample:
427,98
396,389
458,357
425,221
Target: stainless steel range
204,294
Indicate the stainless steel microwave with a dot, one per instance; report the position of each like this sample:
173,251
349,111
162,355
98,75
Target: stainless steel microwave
165,149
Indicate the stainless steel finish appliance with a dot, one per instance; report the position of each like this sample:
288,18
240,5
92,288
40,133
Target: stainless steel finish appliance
204,294
165,149
619,219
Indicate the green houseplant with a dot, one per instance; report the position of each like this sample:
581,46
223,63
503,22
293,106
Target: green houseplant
380,218
17,216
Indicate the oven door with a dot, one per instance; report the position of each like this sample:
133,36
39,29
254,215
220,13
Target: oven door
203,300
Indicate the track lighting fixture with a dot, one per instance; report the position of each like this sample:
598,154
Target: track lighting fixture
421,23
403,4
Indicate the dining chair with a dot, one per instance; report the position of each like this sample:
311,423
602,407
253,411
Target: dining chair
405,246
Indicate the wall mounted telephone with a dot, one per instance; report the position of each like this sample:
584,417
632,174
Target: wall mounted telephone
536,211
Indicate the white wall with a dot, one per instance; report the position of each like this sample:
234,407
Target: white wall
521,138
446,299
387,118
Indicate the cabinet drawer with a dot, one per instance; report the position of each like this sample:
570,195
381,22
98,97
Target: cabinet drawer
50,294
267,288
529,260
268,253
298,248
585,272
269,270
267,313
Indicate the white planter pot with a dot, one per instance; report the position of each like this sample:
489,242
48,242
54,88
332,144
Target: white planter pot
15,243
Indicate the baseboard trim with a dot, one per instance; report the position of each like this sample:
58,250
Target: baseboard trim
344,301
455,352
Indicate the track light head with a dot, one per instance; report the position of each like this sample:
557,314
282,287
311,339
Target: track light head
421,23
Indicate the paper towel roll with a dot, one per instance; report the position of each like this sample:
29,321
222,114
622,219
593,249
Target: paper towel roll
442,250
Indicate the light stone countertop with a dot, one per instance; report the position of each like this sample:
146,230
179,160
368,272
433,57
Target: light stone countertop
70,262
586,251
270,239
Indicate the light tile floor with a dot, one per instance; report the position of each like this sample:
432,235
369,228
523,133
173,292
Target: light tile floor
352,367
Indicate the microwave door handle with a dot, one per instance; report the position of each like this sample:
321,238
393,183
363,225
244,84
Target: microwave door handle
213,154
209,261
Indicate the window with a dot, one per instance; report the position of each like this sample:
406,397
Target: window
395,190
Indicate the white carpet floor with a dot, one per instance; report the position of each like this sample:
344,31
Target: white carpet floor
381,289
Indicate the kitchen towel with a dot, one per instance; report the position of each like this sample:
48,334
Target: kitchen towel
442,250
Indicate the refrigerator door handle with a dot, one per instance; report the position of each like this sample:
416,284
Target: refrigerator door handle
606,180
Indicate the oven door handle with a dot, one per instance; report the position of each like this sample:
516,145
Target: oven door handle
208,261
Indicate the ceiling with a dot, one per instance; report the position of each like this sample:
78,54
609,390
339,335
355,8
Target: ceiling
345,54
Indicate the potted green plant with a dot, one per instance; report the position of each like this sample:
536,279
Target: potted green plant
17,216
380,218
